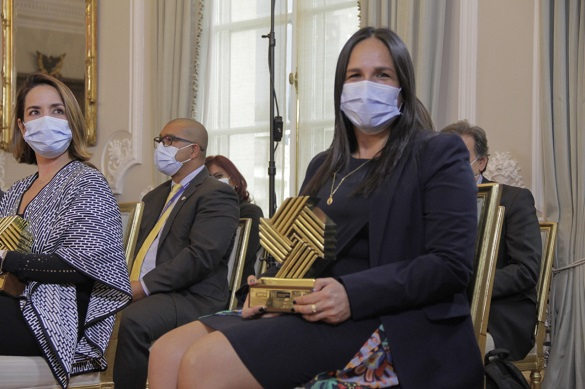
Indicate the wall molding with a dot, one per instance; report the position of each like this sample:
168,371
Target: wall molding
123,148
2,172
537,167
468,20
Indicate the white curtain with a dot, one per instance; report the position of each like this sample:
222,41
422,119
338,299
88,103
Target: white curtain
176,67
174,60
421,25
562,103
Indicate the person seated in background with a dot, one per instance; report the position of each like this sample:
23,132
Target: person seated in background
392,309
76,277
512,316
225,171
184,240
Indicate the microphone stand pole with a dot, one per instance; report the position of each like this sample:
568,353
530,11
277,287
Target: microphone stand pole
271,162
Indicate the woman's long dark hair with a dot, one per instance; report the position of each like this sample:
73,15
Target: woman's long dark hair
413,119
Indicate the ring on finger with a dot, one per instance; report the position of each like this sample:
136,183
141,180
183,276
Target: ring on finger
314,308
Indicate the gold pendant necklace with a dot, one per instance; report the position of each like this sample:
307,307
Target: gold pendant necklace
332,192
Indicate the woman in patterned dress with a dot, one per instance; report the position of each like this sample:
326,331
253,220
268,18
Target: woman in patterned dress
392,309
75,278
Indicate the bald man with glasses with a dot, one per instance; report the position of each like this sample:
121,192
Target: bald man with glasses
180,270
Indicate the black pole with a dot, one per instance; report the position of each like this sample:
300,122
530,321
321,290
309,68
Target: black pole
271,162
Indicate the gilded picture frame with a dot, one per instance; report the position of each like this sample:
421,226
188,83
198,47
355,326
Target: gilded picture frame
9,73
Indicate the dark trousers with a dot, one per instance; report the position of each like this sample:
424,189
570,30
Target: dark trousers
17,339
145,321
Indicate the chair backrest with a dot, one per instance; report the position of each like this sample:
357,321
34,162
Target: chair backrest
131,217
490,220
548,232
237,259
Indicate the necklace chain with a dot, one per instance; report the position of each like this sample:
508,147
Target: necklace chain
334,188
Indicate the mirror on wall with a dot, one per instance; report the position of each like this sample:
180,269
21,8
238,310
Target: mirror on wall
57,37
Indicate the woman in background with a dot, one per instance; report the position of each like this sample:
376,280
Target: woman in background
224,170
392,310
76,277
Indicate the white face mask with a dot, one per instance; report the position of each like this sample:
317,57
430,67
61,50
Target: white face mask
370,106
48,136
225,180
164,159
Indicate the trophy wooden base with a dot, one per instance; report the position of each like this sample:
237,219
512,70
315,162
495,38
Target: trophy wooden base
277,294
10,284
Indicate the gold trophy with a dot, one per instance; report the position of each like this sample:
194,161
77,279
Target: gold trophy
14,236
302,239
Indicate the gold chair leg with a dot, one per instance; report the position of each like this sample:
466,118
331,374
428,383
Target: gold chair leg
535,379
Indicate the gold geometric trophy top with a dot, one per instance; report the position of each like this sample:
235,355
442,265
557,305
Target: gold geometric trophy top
297,235
14,235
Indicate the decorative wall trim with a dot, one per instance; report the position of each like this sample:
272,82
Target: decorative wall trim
2,164
198,36
123,149
468,20
537,168
117,158
504,169
146,190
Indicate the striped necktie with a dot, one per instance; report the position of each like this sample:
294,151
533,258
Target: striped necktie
135,274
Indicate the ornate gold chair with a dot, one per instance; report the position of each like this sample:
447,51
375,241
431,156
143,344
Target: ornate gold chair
237,259
534,361
33,372
490,219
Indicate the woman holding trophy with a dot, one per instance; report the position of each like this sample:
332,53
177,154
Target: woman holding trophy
392,309
75,275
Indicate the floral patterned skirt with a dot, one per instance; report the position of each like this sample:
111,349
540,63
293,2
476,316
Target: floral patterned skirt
371,367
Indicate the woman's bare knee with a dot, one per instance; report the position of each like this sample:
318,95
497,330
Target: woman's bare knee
212,362
166,353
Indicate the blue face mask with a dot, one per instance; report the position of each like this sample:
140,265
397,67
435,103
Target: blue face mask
370,106
165,161
49,137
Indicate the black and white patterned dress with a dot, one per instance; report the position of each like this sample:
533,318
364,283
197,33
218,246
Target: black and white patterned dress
76,217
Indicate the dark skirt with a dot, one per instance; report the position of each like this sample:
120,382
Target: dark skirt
287,351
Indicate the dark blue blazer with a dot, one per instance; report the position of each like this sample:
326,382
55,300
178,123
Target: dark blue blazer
422,228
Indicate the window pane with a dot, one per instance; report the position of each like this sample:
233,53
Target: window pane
238,102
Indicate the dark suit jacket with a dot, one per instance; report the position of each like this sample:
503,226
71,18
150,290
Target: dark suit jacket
513,307
194,244
422,230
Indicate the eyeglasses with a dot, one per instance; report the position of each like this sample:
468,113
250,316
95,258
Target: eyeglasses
168,140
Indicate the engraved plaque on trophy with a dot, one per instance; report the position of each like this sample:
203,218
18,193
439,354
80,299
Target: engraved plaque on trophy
14,236
302,239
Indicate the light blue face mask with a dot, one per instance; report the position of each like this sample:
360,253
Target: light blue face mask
370,106
48,136
164,159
